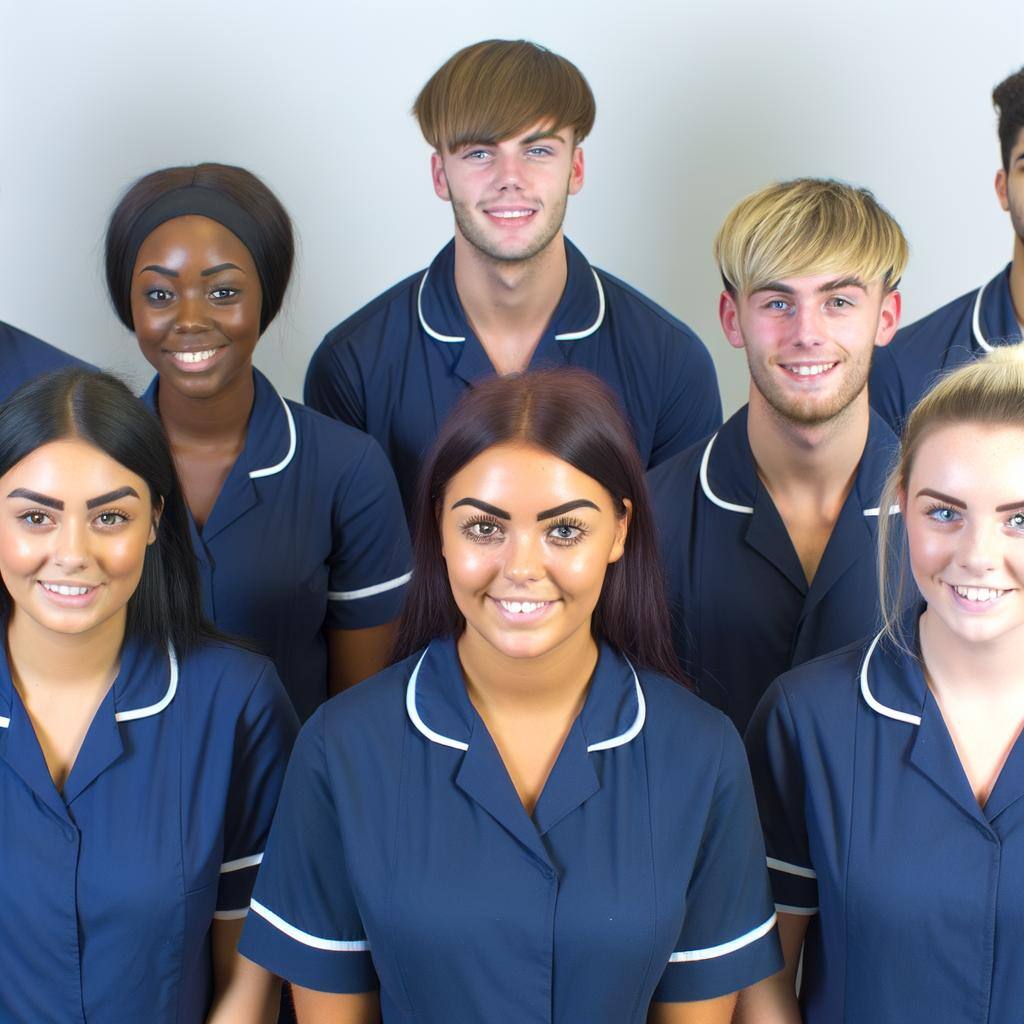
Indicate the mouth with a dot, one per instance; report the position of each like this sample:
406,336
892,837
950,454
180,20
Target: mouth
521,612
514,216
808,371
68,595
976,599
195,360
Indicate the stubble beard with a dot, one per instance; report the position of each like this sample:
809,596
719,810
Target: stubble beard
803,413
478,237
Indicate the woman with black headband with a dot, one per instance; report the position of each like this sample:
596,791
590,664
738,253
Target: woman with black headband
296,519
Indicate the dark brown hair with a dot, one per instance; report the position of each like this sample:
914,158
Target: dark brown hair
574,416
496,89
1008,99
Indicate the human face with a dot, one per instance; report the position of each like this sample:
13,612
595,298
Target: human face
196,302
527,539
509,197
964,513
809,341
74,529
1010,188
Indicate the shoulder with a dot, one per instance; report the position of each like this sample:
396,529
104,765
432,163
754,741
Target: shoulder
331,441
678,474
217,672
936,326
28,348
623,299
682,725
372,712
824,688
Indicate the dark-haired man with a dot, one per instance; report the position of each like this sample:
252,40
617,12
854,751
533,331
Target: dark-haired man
23,357
506,119
983,318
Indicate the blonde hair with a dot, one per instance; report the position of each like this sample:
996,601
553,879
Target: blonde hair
809,226
988,391
496,89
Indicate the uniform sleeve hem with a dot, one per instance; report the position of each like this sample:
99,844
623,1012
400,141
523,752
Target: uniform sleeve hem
363,592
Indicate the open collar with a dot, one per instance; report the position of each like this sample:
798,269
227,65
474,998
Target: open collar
993,320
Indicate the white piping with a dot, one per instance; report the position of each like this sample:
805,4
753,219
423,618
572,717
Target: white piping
155,709
5,723
790,869
634,729
706,487
410,707
255,474
331,945
230,915
900,716
782,908
576,335
689,955
377,588
976,321
894,510
242,862
423,320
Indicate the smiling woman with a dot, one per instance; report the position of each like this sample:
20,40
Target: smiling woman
568,832
141,754
198,261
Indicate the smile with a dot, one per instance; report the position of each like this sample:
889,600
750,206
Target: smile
198,359
523,607
977,595
65,591
522,612
69,595
808,369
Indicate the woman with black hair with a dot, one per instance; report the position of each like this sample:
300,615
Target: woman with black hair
140,754
528,817
295,518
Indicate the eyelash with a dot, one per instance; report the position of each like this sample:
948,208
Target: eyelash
124,517
932,509
168,295
564,522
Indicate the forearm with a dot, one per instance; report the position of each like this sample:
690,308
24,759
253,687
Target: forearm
772,1001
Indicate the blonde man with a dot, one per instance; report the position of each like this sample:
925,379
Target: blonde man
506,120
767,527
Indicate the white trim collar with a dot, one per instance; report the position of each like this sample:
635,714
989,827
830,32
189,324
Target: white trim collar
587,331
255,474
976,320
869,698
638,723
160,705
414,715
436,335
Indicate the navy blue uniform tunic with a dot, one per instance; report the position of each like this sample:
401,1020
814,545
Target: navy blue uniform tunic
109,887
402,855
872,827
960,331
396,368
23,357
742,609
307,534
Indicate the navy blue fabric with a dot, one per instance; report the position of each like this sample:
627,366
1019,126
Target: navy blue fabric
742,611
109,888
382,371
936,344
23,357
871,826
287,554
401,855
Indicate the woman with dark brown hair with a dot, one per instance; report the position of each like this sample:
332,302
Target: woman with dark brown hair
527,817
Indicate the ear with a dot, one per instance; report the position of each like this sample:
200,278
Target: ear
621,532
158,511
888,317
439,178
576,171
1004,201
729,317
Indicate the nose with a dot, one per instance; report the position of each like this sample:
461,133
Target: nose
807,323
508,171
70,553
191,317
979,549
524,563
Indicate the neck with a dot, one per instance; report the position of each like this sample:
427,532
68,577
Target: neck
62,661
554,681
1017,278
501,297
223,417
976,671
820,457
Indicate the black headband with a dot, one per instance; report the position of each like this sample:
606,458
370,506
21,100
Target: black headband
200,201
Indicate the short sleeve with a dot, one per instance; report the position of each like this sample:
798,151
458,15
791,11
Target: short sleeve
264,735
370,557
331,388
780,784
728,938
305,925
690,407
885,387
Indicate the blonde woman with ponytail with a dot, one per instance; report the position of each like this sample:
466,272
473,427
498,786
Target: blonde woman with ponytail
891,773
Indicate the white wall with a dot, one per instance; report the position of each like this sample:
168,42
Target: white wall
697,105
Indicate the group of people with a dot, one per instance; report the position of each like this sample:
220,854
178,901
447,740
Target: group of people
539,808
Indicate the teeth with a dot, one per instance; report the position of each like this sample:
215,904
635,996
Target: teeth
194,357
979,594
55,588
511,214
522,607
809,370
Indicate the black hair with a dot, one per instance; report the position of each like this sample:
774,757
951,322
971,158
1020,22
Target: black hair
574,416
273,251
166,608
1008,99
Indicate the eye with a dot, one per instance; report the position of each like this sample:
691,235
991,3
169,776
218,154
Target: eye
777,305
476,154
159,295
35,518
539,151
838,302
942,514
1016,521
482,531
111,518
566,532
223,293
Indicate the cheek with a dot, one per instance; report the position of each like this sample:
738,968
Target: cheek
930,550
122,556
21,553
470,565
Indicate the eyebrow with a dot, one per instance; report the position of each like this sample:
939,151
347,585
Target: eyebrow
558,510
927,492
217,269
1010,508
40,499
103,499
157,269
829,286
550,133
493,510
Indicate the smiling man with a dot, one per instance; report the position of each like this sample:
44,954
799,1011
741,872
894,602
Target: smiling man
510,292
768,527
985,317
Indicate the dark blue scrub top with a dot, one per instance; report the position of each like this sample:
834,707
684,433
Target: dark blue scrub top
109,888
963,330
396,368
307,534
742,612
401,855
871,826
23,357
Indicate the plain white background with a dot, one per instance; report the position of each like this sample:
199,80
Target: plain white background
697,105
